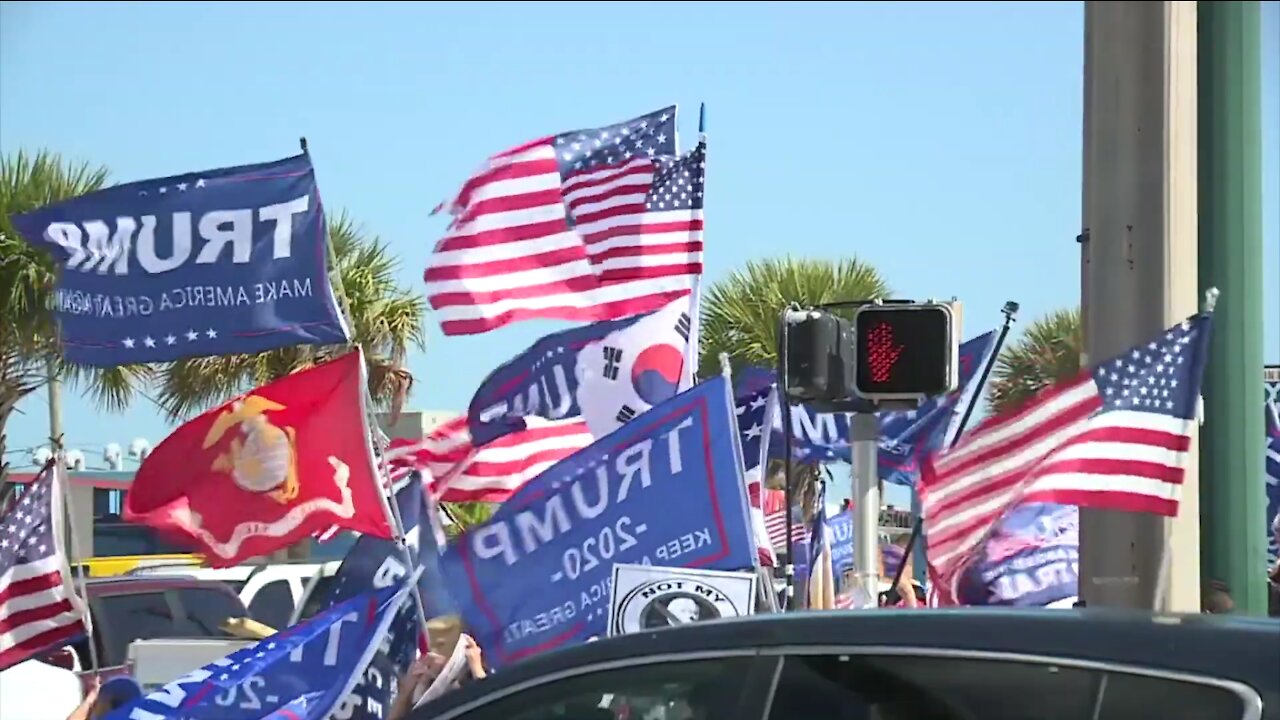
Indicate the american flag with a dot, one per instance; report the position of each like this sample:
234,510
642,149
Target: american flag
775,521
586,225
1115,438
754,410
461,472
39,607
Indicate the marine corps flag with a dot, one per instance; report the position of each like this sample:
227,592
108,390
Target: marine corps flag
268,468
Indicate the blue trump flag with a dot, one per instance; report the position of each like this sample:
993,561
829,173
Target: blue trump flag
840,527
314,663
664,489
217,262
606,373
374,563
1030,559
541,381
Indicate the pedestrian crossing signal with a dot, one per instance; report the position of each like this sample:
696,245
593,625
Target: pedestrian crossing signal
905,351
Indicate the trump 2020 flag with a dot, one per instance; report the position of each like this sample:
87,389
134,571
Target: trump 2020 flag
215,262
267,469
633,369
664,489
308,668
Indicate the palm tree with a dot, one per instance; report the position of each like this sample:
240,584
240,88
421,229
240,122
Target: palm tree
466,516
386,320
28,337
740,318
1047,353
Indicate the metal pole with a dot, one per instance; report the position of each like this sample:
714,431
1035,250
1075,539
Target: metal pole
74,543
1230,257
864,439
789,570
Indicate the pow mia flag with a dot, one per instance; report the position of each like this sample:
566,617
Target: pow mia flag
634,368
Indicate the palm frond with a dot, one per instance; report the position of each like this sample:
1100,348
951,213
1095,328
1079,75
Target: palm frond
467,515
28,334
1047,353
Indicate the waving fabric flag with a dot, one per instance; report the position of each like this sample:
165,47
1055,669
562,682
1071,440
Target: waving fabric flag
462,472
775,521
267,469
1115,438
303,672
587,225
376,564
755,410
605,373
216,262
540,382
633,369
39,607
1030,559
665,489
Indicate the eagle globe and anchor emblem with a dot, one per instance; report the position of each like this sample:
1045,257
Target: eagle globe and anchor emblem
264,460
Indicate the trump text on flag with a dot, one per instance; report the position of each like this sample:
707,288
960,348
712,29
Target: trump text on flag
665,489
215,262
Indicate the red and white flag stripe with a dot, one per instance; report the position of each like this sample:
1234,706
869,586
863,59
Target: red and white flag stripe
463,473
1060,449
513,253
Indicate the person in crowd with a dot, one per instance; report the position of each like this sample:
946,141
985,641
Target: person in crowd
415,681
1217,598
427,668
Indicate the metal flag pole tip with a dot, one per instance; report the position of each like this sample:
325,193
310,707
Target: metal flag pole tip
724,364
1210,299
302,143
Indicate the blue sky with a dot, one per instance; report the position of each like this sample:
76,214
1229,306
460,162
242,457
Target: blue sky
940,142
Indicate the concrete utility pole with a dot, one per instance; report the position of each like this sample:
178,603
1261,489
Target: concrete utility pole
1138,265
1232,496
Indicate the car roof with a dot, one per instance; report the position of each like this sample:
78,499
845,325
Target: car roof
1220,646
124,584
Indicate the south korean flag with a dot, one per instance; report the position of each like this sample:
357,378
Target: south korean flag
630,370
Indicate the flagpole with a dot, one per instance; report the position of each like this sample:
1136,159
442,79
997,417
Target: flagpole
390,510
789,570
58,466
69,514
1010,312
692,347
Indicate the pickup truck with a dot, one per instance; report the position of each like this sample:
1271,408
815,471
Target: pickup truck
124,609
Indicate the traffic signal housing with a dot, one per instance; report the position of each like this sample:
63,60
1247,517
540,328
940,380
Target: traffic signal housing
905,351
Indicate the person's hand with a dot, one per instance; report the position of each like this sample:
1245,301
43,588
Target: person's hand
424,670
907,592
475,657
